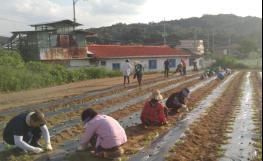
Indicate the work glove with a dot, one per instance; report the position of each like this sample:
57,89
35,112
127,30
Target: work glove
49,147
81,148
184,109
38,150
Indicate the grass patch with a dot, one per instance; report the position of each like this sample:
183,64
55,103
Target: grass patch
20,75
11,154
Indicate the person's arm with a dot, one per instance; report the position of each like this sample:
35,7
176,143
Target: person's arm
46,137
162,114
177,103
23,145
85,138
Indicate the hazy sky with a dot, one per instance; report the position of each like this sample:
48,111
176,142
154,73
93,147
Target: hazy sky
16,15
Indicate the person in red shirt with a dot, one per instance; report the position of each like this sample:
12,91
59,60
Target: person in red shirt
154,112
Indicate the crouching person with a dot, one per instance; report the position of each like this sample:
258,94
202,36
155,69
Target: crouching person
103,133
154,112
220,75
176,102
25,130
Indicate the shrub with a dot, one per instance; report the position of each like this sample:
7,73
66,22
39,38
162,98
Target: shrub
17,75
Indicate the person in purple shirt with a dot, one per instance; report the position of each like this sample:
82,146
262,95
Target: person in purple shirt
103,133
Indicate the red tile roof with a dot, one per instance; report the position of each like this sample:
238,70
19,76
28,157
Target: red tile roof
120,51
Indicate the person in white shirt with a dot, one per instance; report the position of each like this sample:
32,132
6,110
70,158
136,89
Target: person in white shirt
127,69
25,130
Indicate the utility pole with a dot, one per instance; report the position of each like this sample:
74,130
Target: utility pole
74,10
229,45
164,33
195,37
208,42
213,41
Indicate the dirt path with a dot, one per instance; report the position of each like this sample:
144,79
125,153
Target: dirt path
36,96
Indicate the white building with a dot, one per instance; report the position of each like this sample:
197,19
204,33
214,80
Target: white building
152,57
196,46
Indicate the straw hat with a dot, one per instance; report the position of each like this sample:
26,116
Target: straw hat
156,94
136,62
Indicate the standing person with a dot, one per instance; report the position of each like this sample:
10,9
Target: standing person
195,65
103,133
127,72
154,112
176,102
184,66
138,72
166,68
25,130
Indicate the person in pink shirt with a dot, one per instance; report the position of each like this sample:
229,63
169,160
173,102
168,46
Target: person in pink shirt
103,133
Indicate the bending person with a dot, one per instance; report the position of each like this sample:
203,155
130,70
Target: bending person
154,112
177,101
25,130
103,133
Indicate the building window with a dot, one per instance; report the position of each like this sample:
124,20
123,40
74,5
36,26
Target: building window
152,64
116,66
172,63
103,63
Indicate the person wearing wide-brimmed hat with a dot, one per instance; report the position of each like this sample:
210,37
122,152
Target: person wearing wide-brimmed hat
103,133
176,102
154,112
25,130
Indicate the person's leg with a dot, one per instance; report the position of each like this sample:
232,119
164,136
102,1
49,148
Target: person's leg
184,70
124,79
139,81
93,140
128,77
9,139
139,78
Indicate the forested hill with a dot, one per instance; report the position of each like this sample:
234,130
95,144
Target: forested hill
226,28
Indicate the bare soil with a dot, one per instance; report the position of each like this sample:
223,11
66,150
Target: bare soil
257,118
136,93
76,130
140,136
36,96
203,140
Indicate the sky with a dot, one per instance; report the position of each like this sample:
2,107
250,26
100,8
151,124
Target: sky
17,15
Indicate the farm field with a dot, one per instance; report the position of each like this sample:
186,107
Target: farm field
223,122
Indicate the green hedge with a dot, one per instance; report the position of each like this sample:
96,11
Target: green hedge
18,75
229,62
